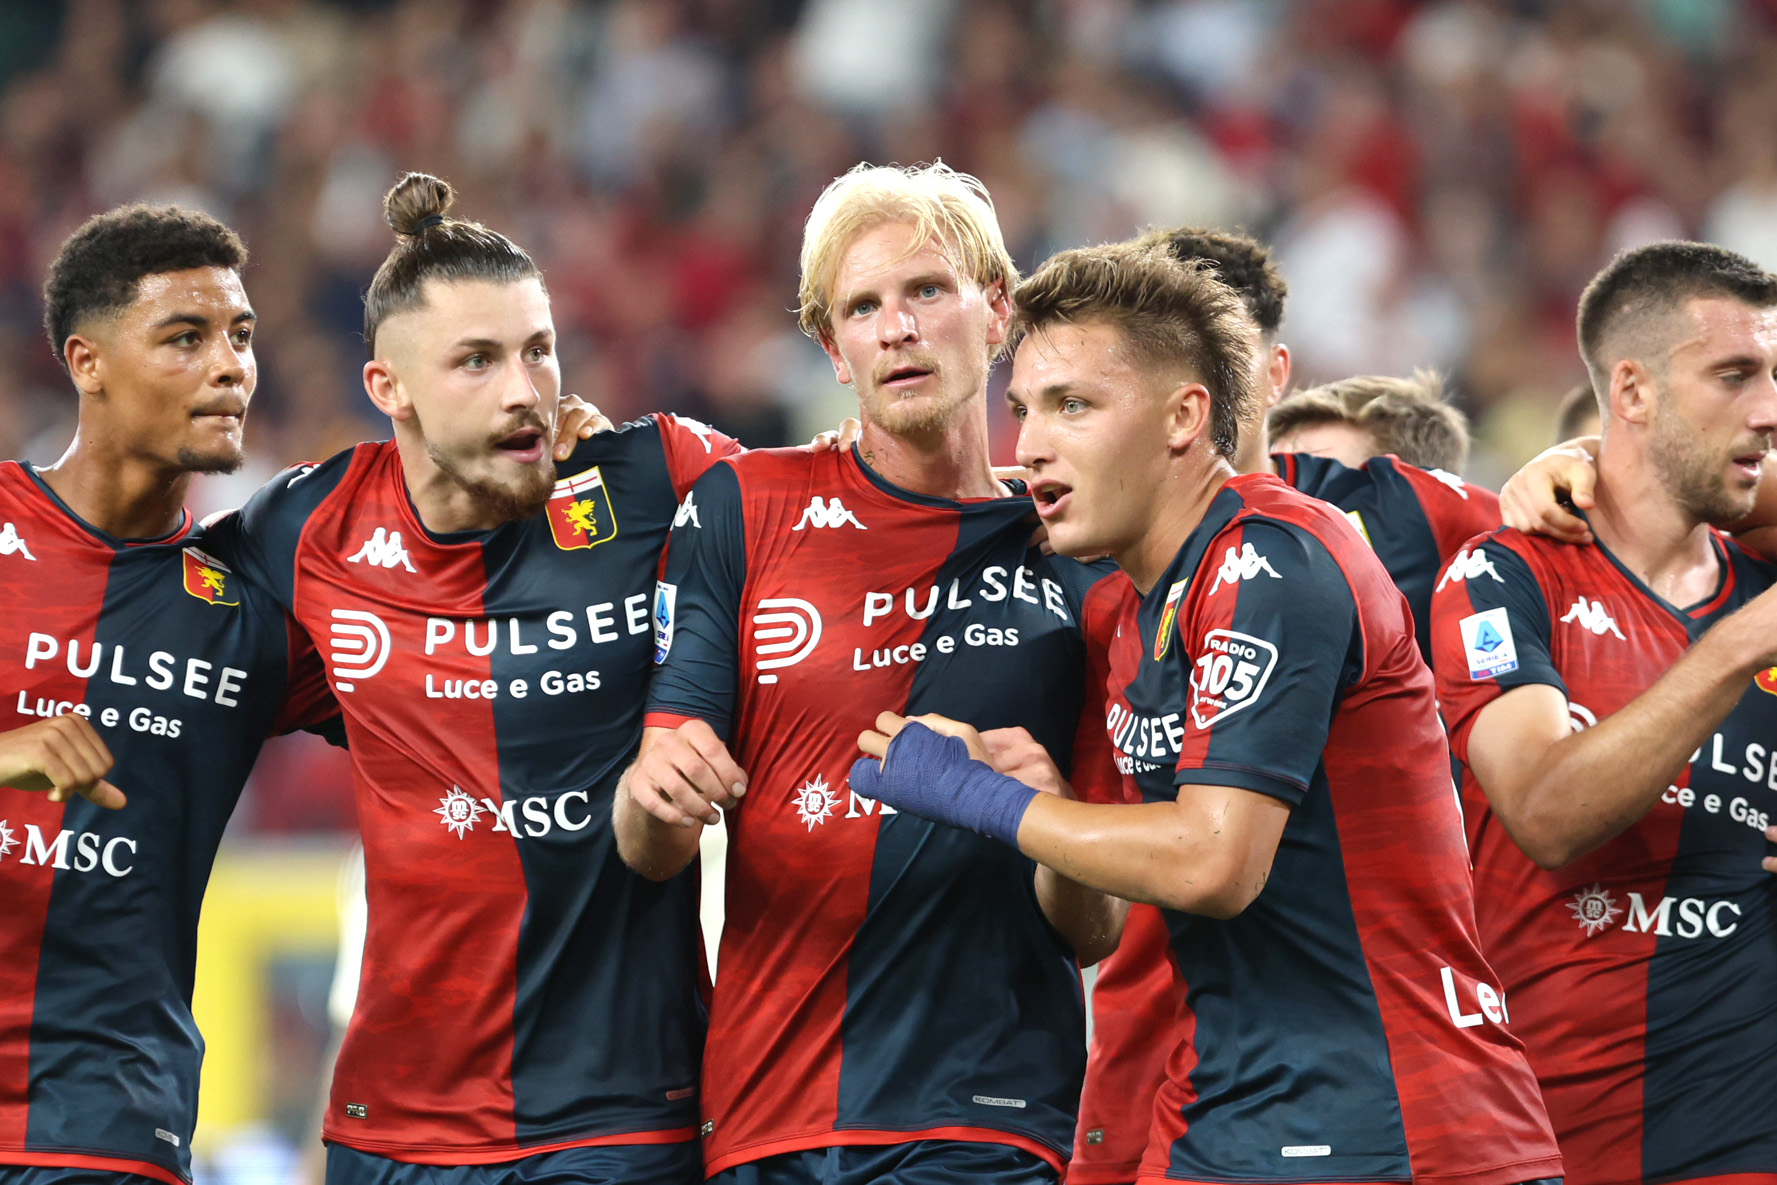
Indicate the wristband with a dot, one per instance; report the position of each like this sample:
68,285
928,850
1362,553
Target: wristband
933,776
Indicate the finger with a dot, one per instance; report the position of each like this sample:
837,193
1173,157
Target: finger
849,431
90,758
720,763
874,743
646,795
103,793
824,442
677,788
699,788
890,723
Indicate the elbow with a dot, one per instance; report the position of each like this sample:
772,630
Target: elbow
1549,845
1221,892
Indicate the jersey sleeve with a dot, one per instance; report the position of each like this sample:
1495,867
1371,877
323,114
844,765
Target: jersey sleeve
261,538
308,700
1267,650
1490,633
697,611
692,447
1457,510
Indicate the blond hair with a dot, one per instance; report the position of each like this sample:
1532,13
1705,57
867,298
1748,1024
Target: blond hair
1406,417
1169,313
939,203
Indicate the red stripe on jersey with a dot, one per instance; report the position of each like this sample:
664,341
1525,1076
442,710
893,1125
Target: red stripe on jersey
1440,1102
854,1139
438,963
457,1156
60,1160
1456,510
691,447
55,638
798,872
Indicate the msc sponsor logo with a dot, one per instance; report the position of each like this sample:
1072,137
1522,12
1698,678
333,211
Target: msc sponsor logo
785,631
814,801
360,644
580,513
206,578
460,812
1242,566
70,851
384,549
1230,674
1595,910
830,513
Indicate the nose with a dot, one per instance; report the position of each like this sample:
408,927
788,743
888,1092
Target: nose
1033,442
896,324
231,365
1763,417
519,392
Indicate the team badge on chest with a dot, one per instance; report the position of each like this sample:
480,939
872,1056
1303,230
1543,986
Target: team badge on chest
206,578
580,513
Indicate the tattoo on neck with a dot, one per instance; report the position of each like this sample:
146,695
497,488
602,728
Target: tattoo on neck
869,456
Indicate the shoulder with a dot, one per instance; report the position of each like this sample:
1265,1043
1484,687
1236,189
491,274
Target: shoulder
299,489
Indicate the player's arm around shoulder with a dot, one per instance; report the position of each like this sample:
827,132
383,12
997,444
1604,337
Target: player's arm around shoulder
1559,793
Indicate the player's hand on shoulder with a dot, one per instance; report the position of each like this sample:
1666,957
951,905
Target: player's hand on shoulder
62,755
578,420
1531,500
1017,754
683,775
839,440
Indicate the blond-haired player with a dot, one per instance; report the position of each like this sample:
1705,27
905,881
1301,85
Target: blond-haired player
896,999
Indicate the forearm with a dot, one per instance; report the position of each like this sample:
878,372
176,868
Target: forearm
649,846
1091,921
1158,853
1589,787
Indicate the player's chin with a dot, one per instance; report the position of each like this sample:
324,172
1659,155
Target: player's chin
224,457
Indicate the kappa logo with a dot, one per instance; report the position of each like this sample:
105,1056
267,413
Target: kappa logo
384,549
1591,615
7,840
814,801
360,647
12,543
686,515
1243,566
831,513
785,631
458,811
698,429
1594,909
1451,480
1467,566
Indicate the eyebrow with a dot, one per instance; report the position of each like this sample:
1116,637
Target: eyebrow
488,343
199,321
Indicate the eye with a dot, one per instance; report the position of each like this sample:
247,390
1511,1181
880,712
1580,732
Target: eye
475,362
929,291
187,338
243,336
863,308
536,354
1071,406
1018,412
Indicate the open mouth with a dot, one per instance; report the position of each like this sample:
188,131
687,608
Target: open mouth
1050,496
1750,463
524,445
905,376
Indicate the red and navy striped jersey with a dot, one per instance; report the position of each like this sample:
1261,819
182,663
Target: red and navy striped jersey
882,979
1639,974
522,989
1414,520
1344,1027
184,670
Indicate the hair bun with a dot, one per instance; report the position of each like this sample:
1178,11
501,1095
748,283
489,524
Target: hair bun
415,198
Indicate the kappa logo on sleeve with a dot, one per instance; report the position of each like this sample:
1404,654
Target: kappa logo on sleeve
666,599
697,428
1242,565
1470,565
686,514
1487,641
1229,674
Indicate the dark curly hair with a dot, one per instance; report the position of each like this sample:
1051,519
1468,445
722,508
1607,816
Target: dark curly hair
431,245
101,265
1240,261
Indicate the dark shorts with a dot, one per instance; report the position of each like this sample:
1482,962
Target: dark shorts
923,1162
31,1174
600,1164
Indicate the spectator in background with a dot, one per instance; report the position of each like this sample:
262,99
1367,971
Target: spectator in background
1374,415
1577,414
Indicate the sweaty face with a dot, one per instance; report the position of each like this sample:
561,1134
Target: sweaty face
477,364
1716,409
910,334
1093,433
177,371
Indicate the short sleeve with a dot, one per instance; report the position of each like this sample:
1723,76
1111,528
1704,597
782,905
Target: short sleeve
697,608
1266,650
1456,510
692,448
1490,633
308,700
260,540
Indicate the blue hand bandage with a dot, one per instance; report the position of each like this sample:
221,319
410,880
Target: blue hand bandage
932,776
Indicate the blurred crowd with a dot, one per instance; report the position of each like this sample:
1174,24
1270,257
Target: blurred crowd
1439,179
